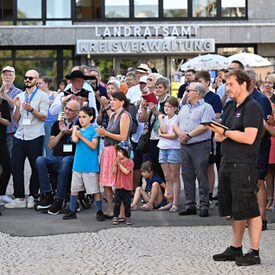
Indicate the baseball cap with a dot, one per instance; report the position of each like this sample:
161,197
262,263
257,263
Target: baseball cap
143,68
143,79
125,145
8,68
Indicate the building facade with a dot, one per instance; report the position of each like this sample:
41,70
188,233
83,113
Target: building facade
52,35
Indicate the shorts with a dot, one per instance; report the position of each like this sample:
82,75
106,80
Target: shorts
237,190
169,156
85,181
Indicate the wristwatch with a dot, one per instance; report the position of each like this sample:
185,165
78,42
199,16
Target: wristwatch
31,110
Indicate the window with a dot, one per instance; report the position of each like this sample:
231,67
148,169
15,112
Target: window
29,9
6,10
174,8
233,8
88,9
117,9
59,9
227,51
146,8
204,8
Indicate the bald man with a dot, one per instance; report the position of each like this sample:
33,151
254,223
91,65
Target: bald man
30,112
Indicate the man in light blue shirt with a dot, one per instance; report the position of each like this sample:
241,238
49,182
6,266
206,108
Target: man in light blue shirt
195,148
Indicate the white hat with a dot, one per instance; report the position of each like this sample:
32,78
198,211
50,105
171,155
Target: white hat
143,68
8,68
143,79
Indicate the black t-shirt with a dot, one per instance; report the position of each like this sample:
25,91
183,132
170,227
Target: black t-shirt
248,114
5,113
182,89
58,149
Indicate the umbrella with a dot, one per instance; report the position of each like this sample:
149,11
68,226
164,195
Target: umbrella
206,62
250,59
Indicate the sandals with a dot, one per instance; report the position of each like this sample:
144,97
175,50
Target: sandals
147,207
165,207
115,221
134,207
174,208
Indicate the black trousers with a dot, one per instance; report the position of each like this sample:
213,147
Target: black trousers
5,163
122,195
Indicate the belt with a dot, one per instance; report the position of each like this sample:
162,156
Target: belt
196,142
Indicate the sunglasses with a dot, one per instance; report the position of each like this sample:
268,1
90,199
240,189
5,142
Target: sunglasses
29,78
70,110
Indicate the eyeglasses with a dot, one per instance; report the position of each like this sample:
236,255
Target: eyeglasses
190,90
70,110
29,77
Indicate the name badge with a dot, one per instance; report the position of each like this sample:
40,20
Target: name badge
67,148
26,122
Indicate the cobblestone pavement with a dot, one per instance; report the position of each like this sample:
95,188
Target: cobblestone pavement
130,250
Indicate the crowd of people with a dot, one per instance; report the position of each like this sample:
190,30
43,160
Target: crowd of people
90,136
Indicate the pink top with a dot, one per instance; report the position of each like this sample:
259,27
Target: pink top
123,180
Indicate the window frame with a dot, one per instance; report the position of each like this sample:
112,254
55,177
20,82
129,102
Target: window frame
73,19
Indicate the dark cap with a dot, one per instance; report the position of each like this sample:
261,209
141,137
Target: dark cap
78,74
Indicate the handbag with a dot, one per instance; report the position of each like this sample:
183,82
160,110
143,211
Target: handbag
143,142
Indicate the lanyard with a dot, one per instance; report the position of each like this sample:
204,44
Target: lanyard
27,99
32,95
69,139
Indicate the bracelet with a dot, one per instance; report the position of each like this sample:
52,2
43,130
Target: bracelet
31,110
189,135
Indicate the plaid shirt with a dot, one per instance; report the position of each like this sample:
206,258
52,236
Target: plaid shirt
13,92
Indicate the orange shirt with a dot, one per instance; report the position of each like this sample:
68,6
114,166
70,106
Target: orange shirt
123,180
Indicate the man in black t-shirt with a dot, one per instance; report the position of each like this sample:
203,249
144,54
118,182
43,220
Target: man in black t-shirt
238,174
61,161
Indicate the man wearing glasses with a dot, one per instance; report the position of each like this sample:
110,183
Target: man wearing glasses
60,162
195,148
30,111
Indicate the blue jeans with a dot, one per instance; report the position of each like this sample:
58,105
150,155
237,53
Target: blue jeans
21,150
46,150
62,165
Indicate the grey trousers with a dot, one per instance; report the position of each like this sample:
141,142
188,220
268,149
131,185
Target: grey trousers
195,159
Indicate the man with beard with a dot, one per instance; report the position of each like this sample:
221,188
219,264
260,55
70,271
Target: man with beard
31,108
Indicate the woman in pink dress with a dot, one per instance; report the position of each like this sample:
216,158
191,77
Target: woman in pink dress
118,130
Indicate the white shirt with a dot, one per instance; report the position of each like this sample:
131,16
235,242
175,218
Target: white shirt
57,104
40,103
134,94
165,143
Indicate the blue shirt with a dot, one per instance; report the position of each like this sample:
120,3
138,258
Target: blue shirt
86,159
191,116
263,101
214,100
149,182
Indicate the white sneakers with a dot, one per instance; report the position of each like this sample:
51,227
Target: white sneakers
5,199
16,203
30,202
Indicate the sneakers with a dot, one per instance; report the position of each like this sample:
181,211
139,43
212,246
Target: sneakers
45,201
249,258
5,199
55,207
230,254
30,202
16,203
70,215
100,216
